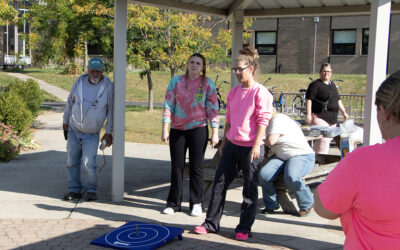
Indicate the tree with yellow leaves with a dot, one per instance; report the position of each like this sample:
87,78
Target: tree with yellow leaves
7,13
63,29
164,39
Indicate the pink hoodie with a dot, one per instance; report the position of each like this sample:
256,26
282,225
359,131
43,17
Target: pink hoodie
247,108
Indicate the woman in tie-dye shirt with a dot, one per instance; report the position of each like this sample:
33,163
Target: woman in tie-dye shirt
190,103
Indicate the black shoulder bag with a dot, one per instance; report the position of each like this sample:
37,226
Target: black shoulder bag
324,103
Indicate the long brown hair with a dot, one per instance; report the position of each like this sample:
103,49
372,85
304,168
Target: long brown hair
203,76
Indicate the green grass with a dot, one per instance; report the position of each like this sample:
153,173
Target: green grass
5,80
53,76
137,88
145,127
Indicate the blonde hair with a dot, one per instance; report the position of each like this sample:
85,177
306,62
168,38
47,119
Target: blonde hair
249,56
388,95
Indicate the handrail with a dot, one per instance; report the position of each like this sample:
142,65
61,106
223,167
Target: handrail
353,103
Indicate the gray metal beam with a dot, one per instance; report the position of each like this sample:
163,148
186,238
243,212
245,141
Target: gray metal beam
238,5
171,4
317,11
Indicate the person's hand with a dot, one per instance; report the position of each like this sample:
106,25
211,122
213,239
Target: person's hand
345,116
308,119
221,147
108,138
214,140
165,136
255,153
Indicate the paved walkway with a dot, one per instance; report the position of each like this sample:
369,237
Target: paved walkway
32,215
60,93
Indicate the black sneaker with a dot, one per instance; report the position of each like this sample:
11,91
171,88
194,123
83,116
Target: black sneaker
91,196
268,211
72,196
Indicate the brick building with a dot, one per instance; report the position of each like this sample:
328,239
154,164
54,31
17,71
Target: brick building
286,45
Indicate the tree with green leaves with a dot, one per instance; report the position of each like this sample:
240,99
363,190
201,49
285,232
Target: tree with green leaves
164,39
62,29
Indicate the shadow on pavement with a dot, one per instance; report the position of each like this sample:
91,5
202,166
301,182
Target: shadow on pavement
300,223
81,233
44,174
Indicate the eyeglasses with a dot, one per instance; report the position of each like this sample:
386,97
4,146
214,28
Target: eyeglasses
239,70
326,71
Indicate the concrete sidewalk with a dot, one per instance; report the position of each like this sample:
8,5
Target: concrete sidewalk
33,216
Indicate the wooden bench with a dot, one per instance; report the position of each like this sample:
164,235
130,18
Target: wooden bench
209,167
324,165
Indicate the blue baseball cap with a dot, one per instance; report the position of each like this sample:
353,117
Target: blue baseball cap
96,64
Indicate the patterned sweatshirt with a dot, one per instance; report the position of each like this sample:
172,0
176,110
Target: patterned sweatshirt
190,108
246,109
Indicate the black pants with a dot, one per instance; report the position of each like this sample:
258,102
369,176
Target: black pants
233,159
179,141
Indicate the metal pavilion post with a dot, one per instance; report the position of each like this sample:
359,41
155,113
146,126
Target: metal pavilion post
237,40
118,150
377,65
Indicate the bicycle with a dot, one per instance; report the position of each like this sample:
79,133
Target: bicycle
299,101
280,105
221,101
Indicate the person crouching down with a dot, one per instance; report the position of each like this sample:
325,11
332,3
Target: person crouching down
294,157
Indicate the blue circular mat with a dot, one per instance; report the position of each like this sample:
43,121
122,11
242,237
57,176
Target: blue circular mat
137,235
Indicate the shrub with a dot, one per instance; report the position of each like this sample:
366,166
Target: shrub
30,93
14,112
108,67
72,68
9,143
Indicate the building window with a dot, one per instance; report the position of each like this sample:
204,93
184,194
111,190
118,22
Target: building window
365,39
266,42
344,42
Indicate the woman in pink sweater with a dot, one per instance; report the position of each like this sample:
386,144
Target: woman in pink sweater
363,189
249,108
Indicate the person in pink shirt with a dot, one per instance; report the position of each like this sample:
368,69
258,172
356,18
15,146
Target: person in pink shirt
249,108
190,103
364,188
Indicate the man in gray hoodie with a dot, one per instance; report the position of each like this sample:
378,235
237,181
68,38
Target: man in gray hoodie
89,103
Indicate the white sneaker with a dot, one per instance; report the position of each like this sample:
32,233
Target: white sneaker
168,210
196,210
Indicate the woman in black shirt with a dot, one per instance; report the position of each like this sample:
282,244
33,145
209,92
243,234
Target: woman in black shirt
323,105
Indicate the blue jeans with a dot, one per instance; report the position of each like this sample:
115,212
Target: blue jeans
294,168
81,154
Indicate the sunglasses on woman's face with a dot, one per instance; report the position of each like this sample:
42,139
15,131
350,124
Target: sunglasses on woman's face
239,70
